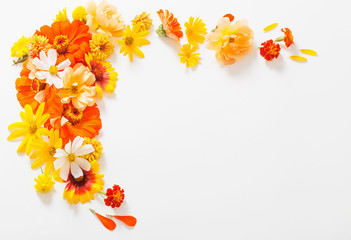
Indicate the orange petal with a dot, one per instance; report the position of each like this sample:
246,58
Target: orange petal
308,51
107,222
270,27
298,58
230,16
128,220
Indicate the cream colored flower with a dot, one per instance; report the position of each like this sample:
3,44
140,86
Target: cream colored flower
78,87
104,19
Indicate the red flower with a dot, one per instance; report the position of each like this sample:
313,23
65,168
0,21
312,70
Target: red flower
288,37
114,196
269,50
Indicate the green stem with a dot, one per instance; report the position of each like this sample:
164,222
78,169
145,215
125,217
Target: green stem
279,39
92,210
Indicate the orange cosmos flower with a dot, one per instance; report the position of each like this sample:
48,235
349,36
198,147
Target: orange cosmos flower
82,189
71,40
115,196
230,41
170,26
269,50
288,37
72,122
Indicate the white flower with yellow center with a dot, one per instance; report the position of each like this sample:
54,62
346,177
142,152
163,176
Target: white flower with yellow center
70,160
47,69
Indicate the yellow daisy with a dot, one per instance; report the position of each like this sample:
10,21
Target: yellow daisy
44,151
80,14
19,48
195,30
61,16
100,46
144,20
132,40
188,55
44,183
31,128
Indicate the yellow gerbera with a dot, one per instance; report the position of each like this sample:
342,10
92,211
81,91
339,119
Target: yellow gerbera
44,151
19,48
132,40
105,75
31,128
61,16
195,31
188,55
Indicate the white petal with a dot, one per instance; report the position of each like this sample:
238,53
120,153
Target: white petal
85,149
64,64
63,121
43,58
40,96
83,163
52,57
77,143
75,170
42,74
40,65
61,74
60,153
65,170
68,147
59,162
58,83
50,79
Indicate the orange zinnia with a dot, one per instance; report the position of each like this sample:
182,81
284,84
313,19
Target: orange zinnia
71,40
73,122
170,25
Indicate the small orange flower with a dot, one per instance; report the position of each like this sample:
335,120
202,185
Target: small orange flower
127,220
288,37
270,50
170,26
115,196
107,222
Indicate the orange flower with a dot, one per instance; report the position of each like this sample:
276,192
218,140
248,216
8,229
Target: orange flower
170,26
127,220
107,222
288,37
73,122
71,40
269,50
115,196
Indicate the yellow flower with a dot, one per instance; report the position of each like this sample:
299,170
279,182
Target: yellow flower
144,20
44,151
132,40
31,128
195,31
80,14
188,55
37,44
44,183
100,46
19,48
61,16
97,149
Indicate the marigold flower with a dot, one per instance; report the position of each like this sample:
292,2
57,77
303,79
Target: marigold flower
270,50
288,37
170,26
96,154
38,44
105,75
188,55
19,48
44,183
100,46
80,14
104,19
84,188
114,196
107,222
31,128
61,16
132,40
195,30
230,41
144,20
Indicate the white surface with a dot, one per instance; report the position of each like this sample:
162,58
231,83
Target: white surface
250,151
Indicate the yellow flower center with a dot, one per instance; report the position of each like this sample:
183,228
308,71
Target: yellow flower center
118,196
33,128
37,86
71,157
61,44
53,70
52,151
73,115
129,41
188,55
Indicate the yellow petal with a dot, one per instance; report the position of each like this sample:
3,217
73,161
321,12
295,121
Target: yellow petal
298,58
17,134
17,125
29,113
270,27
308,51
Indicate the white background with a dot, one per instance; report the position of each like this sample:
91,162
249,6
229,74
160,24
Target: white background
255,150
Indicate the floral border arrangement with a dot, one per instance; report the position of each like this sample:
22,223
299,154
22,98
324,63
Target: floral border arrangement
65,70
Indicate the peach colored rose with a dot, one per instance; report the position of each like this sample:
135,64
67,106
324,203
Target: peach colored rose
104,19
230,41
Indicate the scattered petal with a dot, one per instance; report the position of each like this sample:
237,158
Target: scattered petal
308,51
107,222
270,27
298,58
127,220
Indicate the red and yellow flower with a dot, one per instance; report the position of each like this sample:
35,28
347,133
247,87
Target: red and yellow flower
270,50
288,37
114,196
